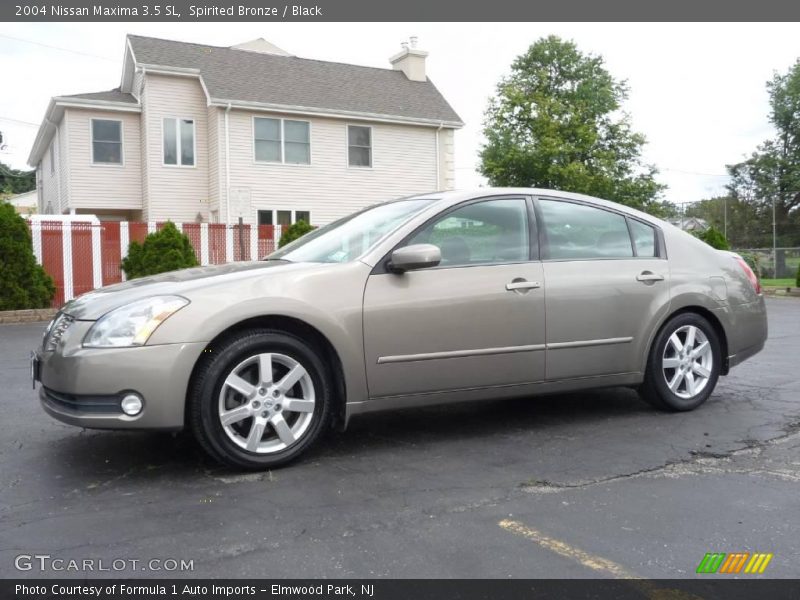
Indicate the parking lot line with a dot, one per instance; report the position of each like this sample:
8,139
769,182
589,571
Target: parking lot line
590,561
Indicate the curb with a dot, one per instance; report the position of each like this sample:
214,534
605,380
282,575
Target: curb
783,292
33,315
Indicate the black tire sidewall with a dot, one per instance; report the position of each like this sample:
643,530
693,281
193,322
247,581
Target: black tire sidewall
666,397
207,390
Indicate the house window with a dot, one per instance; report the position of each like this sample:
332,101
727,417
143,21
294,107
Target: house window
179,142
265,217
283,218
282,141
106,141
267,135
359,146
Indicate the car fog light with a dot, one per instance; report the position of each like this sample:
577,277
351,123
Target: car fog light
131,405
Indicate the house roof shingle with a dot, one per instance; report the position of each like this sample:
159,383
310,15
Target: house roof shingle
114,95
245,76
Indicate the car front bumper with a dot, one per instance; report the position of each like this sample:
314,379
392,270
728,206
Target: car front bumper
84,386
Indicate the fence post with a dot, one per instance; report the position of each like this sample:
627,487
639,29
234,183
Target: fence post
36,236
66,252
229,257
254,242
124,242
203,244
97,256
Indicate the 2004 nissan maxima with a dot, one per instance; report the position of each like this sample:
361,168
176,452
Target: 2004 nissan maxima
436,298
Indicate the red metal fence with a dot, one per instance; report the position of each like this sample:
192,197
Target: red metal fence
84,255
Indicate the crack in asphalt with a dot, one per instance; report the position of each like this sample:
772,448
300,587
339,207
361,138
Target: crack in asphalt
698,463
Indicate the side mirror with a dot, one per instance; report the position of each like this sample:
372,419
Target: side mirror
418,256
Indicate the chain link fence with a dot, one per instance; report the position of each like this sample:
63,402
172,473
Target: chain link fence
766,229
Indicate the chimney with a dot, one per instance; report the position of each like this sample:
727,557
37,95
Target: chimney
410,60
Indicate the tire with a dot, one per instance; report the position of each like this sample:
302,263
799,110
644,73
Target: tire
270,419
675,381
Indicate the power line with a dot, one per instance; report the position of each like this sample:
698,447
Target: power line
4,173
695,172
19,121
16,39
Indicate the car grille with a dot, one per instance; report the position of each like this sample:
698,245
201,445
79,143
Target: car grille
84,404
56,330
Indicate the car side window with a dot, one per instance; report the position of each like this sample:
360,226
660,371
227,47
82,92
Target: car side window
575,231
644,238
492,231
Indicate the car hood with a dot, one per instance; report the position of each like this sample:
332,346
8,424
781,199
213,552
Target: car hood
95,304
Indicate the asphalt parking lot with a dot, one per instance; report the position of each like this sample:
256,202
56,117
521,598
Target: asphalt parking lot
583,485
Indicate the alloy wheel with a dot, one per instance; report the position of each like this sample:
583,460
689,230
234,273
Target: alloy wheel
687,361
266,403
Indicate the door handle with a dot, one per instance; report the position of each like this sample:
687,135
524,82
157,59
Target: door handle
522,284
649,276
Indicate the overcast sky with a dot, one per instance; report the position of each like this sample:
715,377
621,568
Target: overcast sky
696,90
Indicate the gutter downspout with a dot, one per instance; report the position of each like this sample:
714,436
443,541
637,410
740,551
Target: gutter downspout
438,157
227,167
143,150
40,168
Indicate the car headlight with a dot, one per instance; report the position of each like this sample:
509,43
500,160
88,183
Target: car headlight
132,324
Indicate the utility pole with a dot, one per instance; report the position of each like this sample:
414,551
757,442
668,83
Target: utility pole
774,243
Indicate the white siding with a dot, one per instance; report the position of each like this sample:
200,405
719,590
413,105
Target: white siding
51,202
176,193
403,163
103,186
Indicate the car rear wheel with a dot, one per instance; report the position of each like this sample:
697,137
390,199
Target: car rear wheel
684,364
260,400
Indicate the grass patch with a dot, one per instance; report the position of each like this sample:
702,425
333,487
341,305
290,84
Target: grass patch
781,283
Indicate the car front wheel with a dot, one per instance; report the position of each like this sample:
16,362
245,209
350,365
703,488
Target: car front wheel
259,400
684,364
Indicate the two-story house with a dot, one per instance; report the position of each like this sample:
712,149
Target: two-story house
207,133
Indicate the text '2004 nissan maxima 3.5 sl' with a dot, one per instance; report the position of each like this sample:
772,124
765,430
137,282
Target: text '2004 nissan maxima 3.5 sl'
429,299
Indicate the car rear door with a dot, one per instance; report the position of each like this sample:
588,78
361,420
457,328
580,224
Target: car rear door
607,285
477,320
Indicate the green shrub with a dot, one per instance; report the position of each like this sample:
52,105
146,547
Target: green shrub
753,260
797,280
714,238
165,250
293,232
23,282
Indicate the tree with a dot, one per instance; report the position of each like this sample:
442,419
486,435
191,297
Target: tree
294,231
165,250
744,224
23,282
13,181
714,238
772,173
555,122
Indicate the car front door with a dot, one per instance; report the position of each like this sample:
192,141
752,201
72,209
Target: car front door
476,320
607,284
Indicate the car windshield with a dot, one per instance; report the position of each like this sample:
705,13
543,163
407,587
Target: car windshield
348,238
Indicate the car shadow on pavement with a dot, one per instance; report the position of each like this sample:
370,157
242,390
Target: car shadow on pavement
177,457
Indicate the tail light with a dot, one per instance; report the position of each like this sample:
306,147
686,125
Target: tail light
750,275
